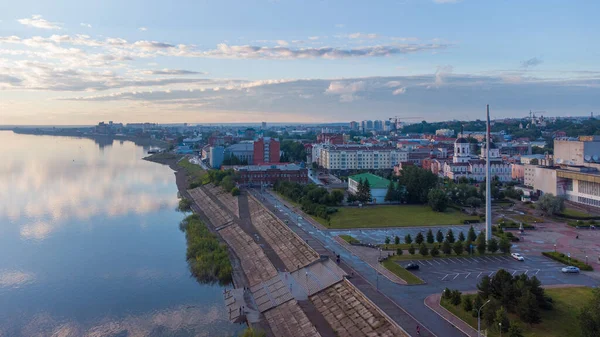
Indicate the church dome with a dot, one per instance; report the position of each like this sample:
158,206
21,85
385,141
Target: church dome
461,141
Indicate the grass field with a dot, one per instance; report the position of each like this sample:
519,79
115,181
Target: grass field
393,216
526,218
193,170
402,273
575,213
561,321
349,238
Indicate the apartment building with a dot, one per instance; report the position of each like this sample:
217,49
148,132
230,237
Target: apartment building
355,157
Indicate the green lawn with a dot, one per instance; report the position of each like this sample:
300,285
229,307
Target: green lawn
405,246
402,273
194,171
349,238
559,322
393,216
575,213
526,218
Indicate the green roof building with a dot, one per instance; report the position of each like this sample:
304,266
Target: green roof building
378,185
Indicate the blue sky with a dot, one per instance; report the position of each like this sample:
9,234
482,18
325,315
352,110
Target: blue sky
69,62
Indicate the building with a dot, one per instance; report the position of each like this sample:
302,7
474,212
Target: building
330,138
464,164
266,150
268,174
354,126
263,125
243,151
378,125
378,185
445,132
584,150
526,159
357,157
216,155
517,171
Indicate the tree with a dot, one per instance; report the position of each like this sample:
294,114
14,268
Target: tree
399,251
550,204
387,240
450,235
235,191
419,239
430,238
437,199
471,234
484,288
364,190
474,202
390,195
492,245
417,182
528,309
504,245
515,330
456,297
467,245
435,252
439,236
477,303
461,236
336,197
467,305
423,250
481,244
411,250
446,248
397,239
408,239
501,321
589,317
534,161
458,248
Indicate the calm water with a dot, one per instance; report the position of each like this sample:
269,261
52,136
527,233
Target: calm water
90,245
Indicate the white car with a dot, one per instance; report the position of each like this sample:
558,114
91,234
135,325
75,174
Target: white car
570,269
517,256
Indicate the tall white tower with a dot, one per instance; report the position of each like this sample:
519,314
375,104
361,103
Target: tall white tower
488,179
462,150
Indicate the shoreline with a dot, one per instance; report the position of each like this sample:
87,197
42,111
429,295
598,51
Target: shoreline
95,137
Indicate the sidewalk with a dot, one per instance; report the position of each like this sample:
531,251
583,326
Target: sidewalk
433,303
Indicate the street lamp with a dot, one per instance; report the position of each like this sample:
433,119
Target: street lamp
555,247
479,318
500,325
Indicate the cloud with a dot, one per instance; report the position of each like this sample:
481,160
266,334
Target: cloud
37,22
172,72
36,231
399,91
363,36
10,278
313,38
340,25
11,80
142,29
87,25
532,62
346,91
151,45
441,72
282,43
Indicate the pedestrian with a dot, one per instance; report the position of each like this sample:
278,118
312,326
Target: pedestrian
418,330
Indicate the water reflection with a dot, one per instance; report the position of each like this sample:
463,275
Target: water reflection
90,245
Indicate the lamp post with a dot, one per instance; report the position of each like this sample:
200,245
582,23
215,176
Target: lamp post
377,271
500,325
479,318
555,247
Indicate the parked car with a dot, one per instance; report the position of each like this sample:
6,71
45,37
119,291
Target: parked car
517,256
412,266
570,269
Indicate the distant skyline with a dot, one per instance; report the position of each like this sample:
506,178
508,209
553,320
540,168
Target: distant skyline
76,63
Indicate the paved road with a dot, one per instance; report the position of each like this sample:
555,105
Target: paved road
411,298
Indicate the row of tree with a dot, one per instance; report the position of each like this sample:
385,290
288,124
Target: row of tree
224,178
315,200
363,193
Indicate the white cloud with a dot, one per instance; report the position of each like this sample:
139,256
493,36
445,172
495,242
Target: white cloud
17,278
87,25
363,36
313,38
340,25
172,72
142,29
37,22
282,43
532,62
441,72
36,231
346,91
399,91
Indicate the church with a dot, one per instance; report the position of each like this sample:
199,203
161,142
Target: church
464,164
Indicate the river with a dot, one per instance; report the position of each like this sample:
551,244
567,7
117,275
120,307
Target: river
90,244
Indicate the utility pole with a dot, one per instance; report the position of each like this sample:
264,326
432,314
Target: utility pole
488,184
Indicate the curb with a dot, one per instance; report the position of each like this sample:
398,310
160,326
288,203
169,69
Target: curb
442,316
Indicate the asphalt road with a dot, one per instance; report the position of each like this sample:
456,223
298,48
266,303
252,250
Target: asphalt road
411,298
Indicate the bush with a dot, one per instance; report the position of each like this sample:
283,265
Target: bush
447,293
435,251
467,304
423,250
411,250
235,191
399,251
560,257
456,298
447,247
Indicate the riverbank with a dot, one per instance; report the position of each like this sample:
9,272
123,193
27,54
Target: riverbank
101,139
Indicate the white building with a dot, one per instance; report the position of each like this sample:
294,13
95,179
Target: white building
444,132
584,150
464,164
353,157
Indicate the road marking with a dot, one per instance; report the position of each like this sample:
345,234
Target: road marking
497,259
514,272
479,275
468,275
526,272
421,262
443,260
431,264
492,273
443,278
455,276
536,272
436,262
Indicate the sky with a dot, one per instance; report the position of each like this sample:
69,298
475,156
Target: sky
65,62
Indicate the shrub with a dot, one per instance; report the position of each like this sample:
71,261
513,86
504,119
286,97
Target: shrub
456,297
423,250
411,250
467,304
399,251
235,191
560,257
435,251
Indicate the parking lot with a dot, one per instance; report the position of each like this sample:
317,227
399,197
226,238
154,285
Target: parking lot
470,270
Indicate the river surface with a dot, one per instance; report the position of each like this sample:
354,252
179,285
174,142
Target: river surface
90,244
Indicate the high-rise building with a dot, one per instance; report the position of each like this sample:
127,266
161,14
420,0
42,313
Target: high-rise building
263,126
266,150
378,125
354,125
